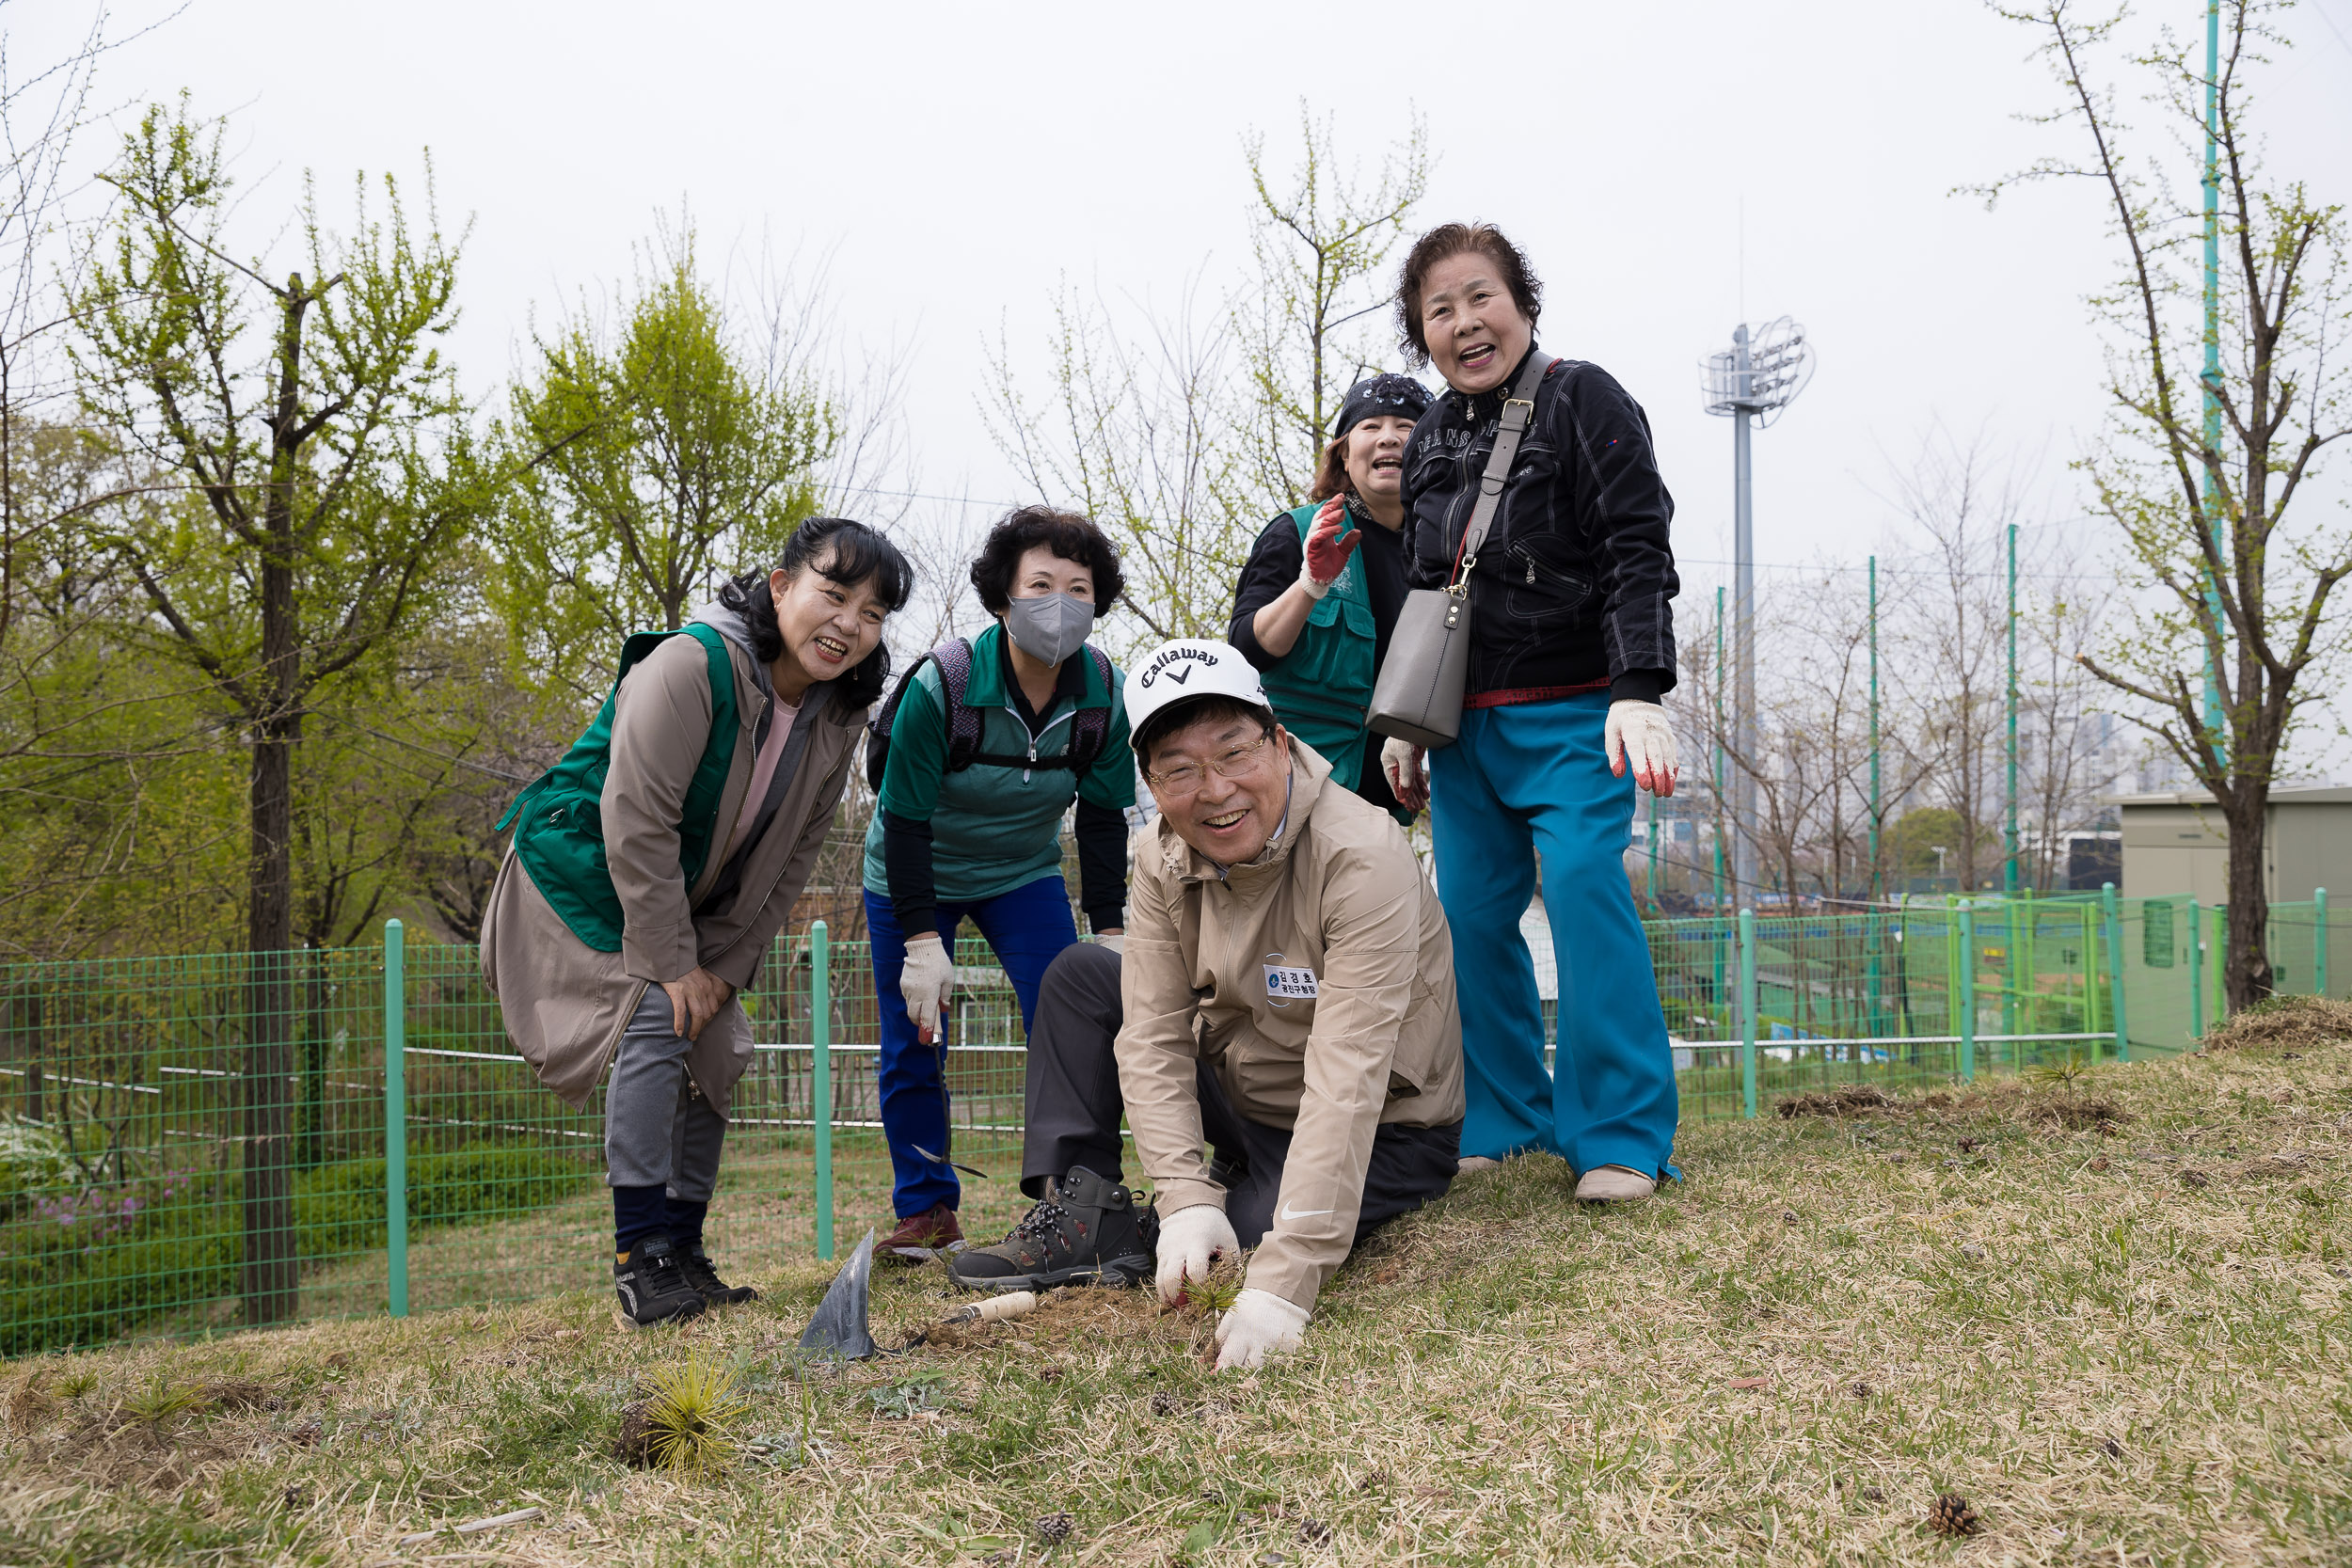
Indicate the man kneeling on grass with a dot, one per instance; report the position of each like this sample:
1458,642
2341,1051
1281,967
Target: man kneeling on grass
1286,997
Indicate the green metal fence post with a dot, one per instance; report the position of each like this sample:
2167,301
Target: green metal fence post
395,1120
1967,991
2319,941
1747,1013
2113,912
2195,969
820,1076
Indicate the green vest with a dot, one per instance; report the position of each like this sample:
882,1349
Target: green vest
559,819
1322,687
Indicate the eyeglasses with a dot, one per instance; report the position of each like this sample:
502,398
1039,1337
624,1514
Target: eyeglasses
1232,763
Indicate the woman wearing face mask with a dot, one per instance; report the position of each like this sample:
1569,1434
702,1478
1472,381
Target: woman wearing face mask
1321,590
978,756
653,865
1571,647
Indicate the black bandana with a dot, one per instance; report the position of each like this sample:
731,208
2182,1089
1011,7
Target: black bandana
1378,395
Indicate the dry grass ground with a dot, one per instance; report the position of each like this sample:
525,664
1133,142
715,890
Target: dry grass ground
2122,1338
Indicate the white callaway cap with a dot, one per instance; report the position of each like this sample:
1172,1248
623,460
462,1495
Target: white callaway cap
1190,667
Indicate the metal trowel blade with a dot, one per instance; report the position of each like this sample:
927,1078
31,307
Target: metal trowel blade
839,1327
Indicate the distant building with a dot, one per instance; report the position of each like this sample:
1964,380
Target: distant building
2176,841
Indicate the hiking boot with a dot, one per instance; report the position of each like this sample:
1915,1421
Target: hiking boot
707,1283
651,1282
922,1237
1088,1230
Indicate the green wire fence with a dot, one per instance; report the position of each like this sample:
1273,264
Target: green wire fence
199,1142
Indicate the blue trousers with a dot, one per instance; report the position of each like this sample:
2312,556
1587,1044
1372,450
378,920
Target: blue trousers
1027,928
1525,781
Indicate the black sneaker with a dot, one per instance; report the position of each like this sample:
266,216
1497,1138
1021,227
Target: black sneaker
707,1283
1090,1231
652,1282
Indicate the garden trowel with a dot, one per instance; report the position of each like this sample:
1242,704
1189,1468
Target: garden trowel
839,1327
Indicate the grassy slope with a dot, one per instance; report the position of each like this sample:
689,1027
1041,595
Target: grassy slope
2111,1360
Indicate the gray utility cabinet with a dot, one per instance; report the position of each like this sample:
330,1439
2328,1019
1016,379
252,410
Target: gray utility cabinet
2177,843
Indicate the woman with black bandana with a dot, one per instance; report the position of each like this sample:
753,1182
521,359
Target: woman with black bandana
975,760
1324,582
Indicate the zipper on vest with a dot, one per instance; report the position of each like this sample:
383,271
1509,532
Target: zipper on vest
1039,735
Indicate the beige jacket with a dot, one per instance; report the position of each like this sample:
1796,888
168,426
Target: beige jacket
1318,981
565,1004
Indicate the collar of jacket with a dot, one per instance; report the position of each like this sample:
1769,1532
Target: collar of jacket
1308,771
1479,407
817,702
988,686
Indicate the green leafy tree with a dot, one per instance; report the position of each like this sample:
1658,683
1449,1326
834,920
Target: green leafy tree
1320,318
320,449
681,447
2229,574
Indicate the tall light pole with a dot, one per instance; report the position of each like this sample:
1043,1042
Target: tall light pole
1754,379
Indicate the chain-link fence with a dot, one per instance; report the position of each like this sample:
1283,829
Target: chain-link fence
199,1143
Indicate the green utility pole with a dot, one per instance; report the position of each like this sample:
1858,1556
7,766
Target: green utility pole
2212,378
820,1077
2319,941
395,1120
2195,969
1873,928
1717,908
2111,914
1747,1014
1967,978
2009,872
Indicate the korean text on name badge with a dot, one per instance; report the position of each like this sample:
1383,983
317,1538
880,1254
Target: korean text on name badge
1289,985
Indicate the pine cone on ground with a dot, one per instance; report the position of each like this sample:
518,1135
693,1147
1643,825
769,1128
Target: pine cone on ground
1054,1528
1951,1515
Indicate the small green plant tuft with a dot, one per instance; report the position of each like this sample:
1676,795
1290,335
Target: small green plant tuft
162,1399
687,1418
2064,1074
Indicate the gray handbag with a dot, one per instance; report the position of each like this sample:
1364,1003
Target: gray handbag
1417,696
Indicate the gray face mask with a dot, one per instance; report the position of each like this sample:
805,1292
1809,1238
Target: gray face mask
1051,628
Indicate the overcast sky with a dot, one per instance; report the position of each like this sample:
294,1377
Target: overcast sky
955,162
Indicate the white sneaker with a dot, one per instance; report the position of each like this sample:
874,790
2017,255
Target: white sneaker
1613,1184
1469,1163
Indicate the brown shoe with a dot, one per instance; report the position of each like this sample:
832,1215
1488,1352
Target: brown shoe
922,1237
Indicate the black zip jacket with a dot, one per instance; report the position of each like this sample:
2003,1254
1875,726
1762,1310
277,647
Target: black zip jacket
1575,584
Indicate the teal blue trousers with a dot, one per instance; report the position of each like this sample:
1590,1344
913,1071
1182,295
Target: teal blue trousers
1527,781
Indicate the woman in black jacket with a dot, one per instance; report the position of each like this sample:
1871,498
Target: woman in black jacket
1571,647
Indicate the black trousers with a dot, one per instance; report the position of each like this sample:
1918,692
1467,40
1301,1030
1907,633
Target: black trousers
1074,1109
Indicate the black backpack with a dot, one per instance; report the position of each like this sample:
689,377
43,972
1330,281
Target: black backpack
1090,731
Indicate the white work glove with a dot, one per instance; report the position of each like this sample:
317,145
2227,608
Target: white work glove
1260,1324
925,979
1114,943
1400,761
1638,734
1188,1239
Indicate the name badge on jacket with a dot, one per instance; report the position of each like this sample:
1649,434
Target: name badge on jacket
1284,986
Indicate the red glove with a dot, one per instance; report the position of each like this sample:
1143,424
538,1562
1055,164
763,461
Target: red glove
1328,553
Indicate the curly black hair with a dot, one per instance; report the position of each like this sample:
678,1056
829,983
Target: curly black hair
1449,240
858,553
1067,534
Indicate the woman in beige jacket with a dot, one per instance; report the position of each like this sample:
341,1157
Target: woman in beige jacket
652,866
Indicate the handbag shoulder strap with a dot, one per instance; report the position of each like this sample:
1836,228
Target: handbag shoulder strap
1518,412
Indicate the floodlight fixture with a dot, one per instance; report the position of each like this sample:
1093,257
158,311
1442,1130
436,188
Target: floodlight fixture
1762,371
